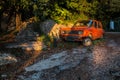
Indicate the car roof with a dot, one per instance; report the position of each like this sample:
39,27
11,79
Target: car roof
86,20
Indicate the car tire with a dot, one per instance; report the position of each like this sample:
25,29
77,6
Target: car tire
62,40
102,37
87,42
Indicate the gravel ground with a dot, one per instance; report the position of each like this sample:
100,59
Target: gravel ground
86,63
6,58
98,62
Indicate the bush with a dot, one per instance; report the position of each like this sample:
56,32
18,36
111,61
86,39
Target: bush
47,40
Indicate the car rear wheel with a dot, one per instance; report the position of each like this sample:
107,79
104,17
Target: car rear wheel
102,37
87,42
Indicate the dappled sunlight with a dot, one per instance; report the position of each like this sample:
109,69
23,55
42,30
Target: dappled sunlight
61,61
54,32
16,61
33,35
32,46
27,46
105,58
31,57
7,58
29,61
99,55
51,28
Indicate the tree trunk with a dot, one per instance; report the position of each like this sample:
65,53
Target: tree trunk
18,20
0,24
1,12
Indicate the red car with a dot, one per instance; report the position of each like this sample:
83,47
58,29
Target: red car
84,30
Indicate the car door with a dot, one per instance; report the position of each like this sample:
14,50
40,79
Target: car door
98,29
94,29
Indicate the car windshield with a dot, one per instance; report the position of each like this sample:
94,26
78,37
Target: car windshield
83,23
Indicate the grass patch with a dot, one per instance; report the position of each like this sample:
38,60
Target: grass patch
98,41
47,40
68,45
54,43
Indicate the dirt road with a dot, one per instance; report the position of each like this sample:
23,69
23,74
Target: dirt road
81,63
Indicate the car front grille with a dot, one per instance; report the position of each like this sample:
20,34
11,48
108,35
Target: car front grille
71,32
72,38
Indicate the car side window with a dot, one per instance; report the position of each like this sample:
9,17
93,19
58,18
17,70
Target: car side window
90,23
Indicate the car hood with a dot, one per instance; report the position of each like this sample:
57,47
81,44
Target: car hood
73,28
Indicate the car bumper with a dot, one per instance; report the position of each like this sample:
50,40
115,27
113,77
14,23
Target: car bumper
72,38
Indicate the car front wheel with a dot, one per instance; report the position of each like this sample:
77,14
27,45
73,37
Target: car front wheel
87,42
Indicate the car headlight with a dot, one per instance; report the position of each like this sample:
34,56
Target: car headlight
63,32
80,32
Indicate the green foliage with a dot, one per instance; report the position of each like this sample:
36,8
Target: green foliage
62,10
68,45
97,42
46,39
41,9
57,10
93,9
60,14
71,10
